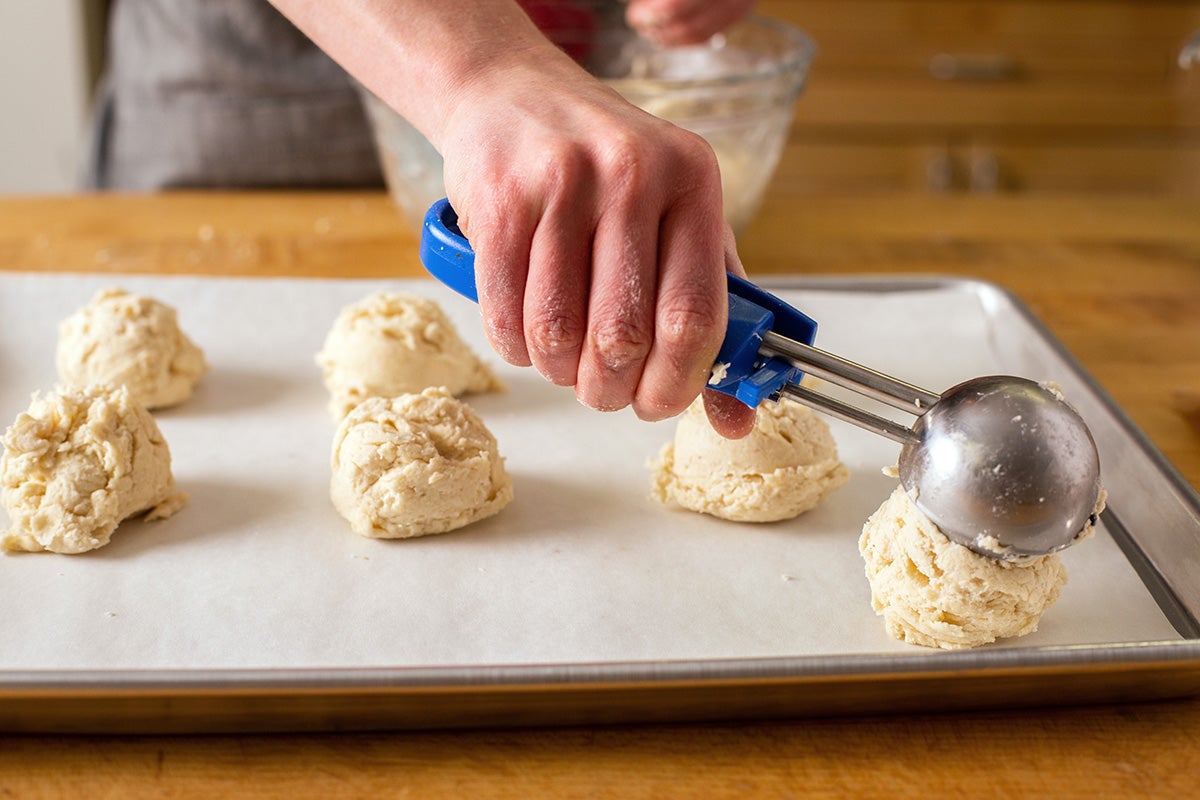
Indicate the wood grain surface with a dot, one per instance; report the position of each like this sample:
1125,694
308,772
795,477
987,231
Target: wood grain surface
1116,279
995,95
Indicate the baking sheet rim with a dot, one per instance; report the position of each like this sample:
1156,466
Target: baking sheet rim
1115,657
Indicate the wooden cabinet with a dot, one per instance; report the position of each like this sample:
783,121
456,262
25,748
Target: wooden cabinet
995,95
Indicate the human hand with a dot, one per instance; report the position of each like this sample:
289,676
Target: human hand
601,248
681,22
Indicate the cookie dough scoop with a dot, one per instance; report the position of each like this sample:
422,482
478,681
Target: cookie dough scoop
1002,464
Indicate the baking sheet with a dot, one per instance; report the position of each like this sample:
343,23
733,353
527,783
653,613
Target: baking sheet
258,571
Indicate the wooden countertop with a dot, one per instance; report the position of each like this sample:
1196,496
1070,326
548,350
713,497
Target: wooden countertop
1116,279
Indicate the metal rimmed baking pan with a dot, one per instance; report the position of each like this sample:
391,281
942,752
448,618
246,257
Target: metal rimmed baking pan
256,608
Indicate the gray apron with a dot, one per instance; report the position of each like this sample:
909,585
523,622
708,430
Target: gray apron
222,93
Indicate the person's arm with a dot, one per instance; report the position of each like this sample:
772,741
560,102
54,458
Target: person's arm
601,249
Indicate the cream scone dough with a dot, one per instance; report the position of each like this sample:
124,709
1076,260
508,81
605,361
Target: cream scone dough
76,464
784,467
931,591
129,339
392,343
416,464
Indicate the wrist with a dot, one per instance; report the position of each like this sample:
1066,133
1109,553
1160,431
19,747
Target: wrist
421,56
532,70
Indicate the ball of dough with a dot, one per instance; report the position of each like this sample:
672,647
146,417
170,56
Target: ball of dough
128,339
78,462
931,591
392,343
416,464
784,467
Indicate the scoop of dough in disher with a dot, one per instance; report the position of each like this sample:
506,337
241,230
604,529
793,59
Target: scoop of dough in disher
931,591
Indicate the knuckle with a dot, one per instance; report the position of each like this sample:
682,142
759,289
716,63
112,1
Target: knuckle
702,151
562,169
624,163
620,343
554,333
699,161
501,326
689,321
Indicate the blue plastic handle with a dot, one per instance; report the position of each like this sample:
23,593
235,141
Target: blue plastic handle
446,253
739,370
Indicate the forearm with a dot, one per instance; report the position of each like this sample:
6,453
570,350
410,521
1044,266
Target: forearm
422,56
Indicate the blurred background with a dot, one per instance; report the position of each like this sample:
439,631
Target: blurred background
904,95
50,59
997,95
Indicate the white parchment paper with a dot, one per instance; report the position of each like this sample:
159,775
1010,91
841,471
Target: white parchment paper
259,571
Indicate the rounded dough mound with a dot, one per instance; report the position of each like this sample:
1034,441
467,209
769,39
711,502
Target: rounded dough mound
416,464
784,467
77,463
393,343
931,591
128,339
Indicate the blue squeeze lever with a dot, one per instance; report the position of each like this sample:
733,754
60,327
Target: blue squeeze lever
740,370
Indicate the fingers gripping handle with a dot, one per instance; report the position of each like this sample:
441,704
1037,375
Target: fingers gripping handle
739,370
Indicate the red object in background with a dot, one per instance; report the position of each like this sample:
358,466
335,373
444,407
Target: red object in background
569,25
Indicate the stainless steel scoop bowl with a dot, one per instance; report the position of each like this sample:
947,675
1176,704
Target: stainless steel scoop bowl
1002,465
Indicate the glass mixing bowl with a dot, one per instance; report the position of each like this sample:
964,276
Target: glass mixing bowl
738,91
